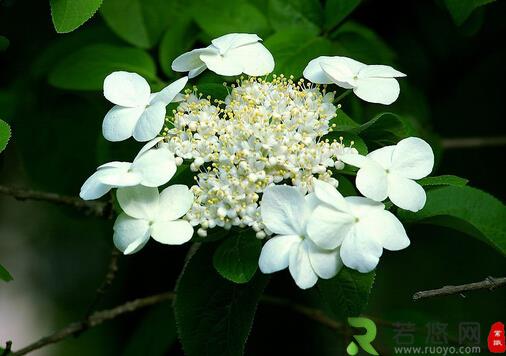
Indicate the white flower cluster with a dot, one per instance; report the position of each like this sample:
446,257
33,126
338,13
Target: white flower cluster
260,160
265,132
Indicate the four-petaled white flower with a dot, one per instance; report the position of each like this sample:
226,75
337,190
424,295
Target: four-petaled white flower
150,213
390,172
360,226
231,54
286,212
152,167
137,112
372,83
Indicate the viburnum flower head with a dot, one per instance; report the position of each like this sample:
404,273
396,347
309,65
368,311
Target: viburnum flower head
150,213
360,226
137,112
152,167
286,212
372,83
231,54
390,172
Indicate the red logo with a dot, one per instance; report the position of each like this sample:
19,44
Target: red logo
496,339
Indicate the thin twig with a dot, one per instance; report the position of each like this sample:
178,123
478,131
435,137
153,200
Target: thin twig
489,283
7,349
95,319
473,142
95,208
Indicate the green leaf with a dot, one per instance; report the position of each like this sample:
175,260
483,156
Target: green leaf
337,10
460,10
294,48
86,68
216,91
385,129
218,18
5,134
343,122
141,22
236,259
178,39
348,139
70,14
214,316
4,43
443,180
298,14
347,293
346,187
154,334
465,209
4,274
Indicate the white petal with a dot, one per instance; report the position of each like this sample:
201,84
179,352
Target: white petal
275,253
191,60
360,251
325,263
222,65
327,227
377,90
150,123
126,89
314,72
283,210
379,71
139,202
386,229
360,206
300,266
328,194
172,232
372,182
93,188
167,94
130,235
149,145
119,123
194,72
234,40
156,166
175,201
356,160
413,158
405,193
383,156
119,176
340,74
255,59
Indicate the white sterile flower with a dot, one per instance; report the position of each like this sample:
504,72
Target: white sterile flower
372,83
152,167
149,213
390,172
137,112
231,54
285,211
360,226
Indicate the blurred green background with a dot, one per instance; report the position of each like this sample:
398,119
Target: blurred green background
50,93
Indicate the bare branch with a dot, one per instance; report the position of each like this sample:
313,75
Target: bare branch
95,208
7,349
489,283
473,142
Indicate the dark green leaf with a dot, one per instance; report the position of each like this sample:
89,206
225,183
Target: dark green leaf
347,293
443,180
70,14
155,333
178,39
4,274
294,48
385,129
346,187
141,22
214,316
298,14
343,122
5,134
4,43
465,209
337,10
216,91
236,259
218,18
86,68
462,9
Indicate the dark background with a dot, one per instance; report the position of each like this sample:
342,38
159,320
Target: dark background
454,89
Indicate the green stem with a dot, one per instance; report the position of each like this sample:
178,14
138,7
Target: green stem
342,96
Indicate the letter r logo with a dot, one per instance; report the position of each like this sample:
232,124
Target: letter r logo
363,340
